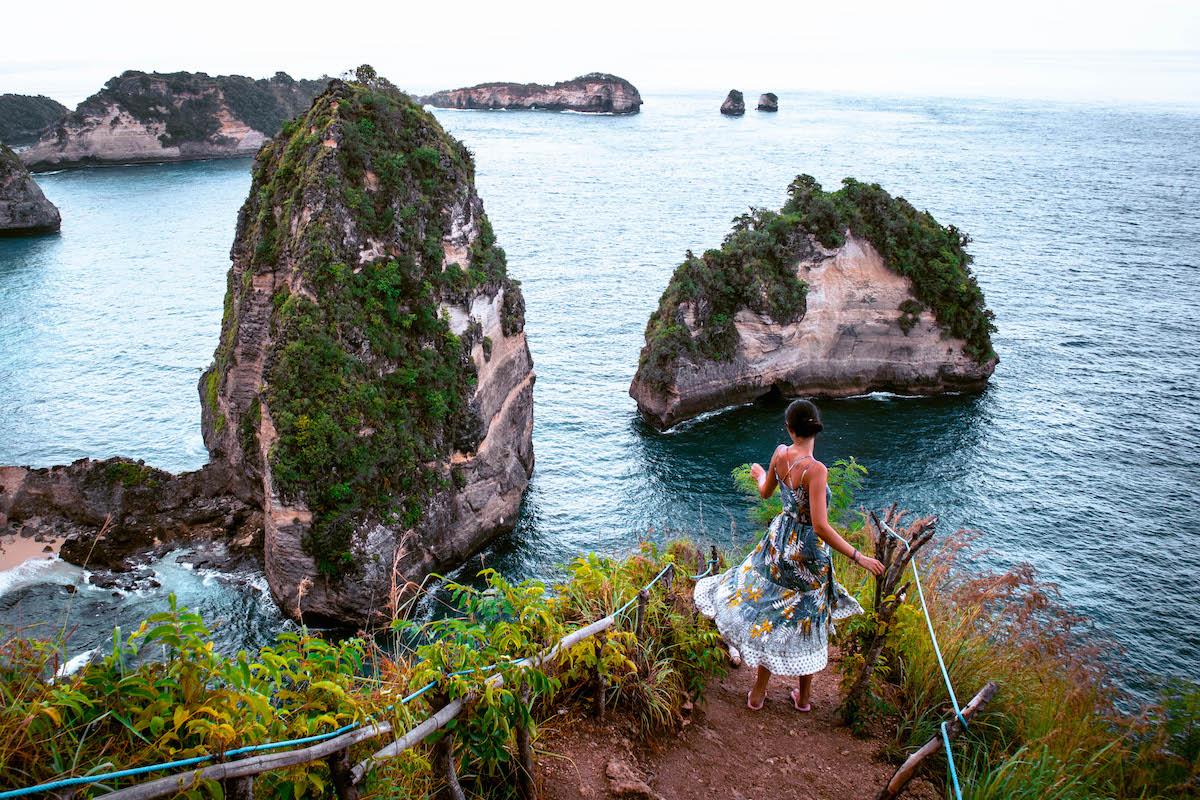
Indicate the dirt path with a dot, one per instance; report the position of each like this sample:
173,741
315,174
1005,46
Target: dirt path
725,751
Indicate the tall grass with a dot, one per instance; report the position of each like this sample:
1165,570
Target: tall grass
1054,729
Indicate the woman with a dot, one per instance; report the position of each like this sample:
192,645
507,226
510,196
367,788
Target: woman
778,606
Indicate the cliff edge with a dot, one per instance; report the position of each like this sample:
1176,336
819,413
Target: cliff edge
152,116
372,387
24,210
839,293
594,93
23,117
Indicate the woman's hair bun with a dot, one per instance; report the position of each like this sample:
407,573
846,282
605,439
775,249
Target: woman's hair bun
803,418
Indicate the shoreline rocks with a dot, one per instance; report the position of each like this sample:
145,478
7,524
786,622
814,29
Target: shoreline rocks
179,116
768,102
594,93
24,210
814,312
734,105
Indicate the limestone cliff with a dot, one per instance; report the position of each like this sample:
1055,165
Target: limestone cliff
840,293
734,105
595,93
140,116
372,387
23,117
24,210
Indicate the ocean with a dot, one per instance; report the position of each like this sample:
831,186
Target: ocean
1082,458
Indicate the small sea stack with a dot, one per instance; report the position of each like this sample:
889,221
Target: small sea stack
768,102
734,105
24,210
838,293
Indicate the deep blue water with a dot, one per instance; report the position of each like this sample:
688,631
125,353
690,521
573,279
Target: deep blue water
1083,457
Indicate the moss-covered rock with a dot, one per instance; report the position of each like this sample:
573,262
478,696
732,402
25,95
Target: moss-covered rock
24,210
351,371
719,333
155,116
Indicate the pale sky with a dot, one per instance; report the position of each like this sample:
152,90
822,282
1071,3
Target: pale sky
1093,50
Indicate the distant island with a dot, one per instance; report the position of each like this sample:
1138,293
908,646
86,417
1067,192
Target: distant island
152,116
23,117
594,93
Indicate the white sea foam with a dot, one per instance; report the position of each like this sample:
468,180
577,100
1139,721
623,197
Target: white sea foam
37,570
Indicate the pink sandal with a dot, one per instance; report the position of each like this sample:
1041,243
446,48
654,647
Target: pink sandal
750,705
796,702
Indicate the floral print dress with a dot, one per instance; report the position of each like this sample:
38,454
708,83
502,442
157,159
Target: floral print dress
778,606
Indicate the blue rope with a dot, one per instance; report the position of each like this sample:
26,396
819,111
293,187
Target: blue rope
941,662
189,762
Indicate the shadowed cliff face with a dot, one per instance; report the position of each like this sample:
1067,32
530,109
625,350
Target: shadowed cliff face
372,388
24,210
803,302
595,93
141,116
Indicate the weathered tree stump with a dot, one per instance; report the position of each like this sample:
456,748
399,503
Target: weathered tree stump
889,594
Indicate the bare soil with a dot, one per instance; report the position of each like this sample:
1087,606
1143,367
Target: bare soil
724,751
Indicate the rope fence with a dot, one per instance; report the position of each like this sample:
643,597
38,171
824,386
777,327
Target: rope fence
336,743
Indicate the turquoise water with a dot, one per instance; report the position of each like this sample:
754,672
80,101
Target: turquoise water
1083,457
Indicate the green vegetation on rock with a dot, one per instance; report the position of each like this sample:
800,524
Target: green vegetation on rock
22,117
187,103
368,387
755,269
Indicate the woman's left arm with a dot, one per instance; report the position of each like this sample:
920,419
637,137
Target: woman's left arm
818,508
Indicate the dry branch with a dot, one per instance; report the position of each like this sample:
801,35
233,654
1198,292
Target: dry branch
953,728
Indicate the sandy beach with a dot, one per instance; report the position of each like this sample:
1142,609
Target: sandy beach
16,549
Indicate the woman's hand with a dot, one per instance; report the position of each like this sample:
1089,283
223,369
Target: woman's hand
871,565
757,472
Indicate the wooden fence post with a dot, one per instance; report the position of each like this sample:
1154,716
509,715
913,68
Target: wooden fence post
340,772
443,769
526,784
238,788
953,728
669,578
716,560
601,683
639,619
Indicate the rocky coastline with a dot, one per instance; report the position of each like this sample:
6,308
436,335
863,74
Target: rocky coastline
178,116
369,409
594,93
24,210
822,312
